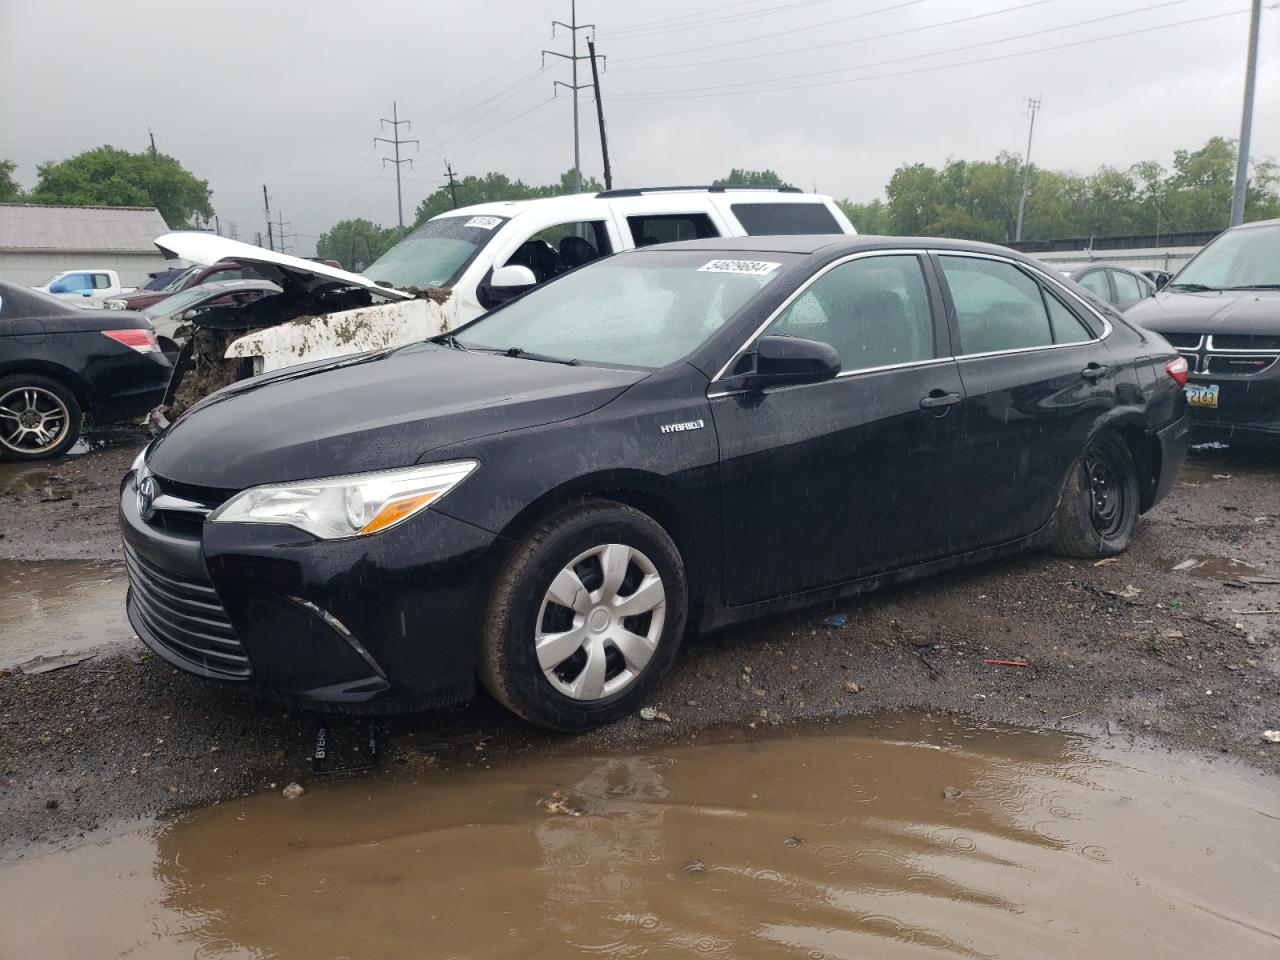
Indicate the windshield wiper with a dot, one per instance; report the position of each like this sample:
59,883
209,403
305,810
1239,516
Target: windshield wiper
449,340
1192,287
541,357
1255,286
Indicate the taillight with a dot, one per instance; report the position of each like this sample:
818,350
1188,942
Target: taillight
1178,370
144,341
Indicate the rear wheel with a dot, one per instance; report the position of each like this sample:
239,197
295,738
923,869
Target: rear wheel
39,417
1098,511
585,617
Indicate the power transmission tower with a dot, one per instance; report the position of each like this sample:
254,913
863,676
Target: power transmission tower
1033,107
395,122
604,140
281,237
266,205
233,231
1246,117
453,190
573,27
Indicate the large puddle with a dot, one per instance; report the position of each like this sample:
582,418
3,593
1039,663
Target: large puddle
53,608
918,839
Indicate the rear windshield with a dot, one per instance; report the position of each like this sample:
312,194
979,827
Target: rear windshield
436,253
644,309
765,219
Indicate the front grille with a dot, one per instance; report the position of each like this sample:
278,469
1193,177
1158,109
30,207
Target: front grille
185,615
1244,341
181,508
1187,341
1216,363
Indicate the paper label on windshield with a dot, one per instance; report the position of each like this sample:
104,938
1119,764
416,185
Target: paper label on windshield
484,223
753,268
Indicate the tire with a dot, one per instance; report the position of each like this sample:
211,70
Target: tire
1098,511
595,665
31,403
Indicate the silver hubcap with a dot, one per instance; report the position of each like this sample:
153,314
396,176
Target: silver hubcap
600,621
31,419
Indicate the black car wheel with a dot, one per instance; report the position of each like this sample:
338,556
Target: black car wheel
585,617
1098,511
39,418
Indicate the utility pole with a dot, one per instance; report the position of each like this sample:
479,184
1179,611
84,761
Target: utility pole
604,140
153,143
1246,117
453,190
395,122
217,227
281,236
233,231
573,27
1033,107
266,205
259,238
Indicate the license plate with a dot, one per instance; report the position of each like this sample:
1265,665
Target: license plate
1202,395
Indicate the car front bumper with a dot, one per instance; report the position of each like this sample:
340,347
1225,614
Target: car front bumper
380,624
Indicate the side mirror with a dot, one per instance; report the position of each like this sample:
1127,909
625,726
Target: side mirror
509,282
781,361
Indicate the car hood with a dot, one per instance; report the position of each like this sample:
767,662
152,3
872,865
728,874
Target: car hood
1225,311
209,249
370,412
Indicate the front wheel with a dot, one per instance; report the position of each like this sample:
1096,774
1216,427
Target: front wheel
39,418
585,617
1098,511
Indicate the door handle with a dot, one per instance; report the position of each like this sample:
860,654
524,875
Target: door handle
937,398
1095,372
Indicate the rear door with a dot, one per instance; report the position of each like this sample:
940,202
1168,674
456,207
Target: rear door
827,482
1036,380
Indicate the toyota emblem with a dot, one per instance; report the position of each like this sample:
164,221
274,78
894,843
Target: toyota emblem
147,498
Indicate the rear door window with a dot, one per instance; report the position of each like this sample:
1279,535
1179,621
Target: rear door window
998,307
873,310
763,219
647,229
1128,290
1095,281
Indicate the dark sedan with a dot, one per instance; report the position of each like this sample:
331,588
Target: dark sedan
680,437
59,362
1222,311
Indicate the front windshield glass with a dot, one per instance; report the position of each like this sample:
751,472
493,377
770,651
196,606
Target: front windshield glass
1242,258
640,310
436,253
177,303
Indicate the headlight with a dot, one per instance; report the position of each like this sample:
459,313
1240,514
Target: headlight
346,506
114,304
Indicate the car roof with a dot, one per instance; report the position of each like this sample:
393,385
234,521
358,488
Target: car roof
658,198
834,244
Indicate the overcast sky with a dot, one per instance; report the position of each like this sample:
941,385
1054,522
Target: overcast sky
830,93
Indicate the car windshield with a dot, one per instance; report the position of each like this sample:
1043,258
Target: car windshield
640,310
435,254
177,282
1241,258
183,300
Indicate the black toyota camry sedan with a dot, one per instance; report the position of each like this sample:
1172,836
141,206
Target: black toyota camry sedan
1222,311
59,362
675,439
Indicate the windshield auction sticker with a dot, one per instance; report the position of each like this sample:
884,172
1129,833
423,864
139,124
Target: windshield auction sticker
753,268
484,223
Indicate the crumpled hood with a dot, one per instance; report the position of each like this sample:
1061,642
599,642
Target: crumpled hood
1228,311
370,412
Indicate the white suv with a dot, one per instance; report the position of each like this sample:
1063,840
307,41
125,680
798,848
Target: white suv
463,248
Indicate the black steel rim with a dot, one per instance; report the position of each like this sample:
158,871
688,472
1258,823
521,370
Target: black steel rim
1107,495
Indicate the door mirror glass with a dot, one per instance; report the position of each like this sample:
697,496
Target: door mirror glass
780,361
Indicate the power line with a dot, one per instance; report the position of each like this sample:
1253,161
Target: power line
395,122
692,92
675,26
824,46
628,28
1033,107
573,27
515,136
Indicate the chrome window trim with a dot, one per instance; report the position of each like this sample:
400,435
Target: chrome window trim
843,374
795,295
1040,274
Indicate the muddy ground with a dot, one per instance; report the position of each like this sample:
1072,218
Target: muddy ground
1131,648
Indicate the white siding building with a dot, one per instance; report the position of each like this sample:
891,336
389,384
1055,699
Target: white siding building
38,240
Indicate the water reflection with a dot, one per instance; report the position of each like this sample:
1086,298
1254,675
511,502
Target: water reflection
835,844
